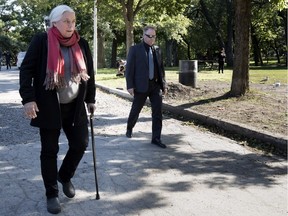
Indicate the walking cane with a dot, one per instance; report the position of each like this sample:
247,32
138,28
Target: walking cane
94,155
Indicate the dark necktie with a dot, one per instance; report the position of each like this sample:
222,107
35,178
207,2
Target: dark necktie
151,64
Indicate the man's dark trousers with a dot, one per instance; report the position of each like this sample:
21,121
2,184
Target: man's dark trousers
155,95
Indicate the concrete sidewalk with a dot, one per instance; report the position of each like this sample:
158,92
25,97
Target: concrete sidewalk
200,173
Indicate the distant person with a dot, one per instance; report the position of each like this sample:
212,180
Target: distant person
121,65
8,59
221,59
145,77
56,78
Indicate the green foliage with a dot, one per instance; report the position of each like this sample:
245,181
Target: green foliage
202,32
25,18
182,21
173,27
269,25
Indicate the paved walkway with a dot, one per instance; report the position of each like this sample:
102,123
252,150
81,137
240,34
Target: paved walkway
200,173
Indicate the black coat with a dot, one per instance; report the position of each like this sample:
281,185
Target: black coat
137,68
32,76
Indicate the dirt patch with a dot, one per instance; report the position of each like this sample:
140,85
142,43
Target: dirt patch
264,107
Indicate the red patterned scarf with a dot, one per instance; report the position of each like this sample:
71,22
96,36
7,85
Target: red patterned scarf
55,62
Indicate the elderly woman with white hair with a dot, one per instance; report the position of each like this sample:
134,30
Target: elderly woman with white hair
56,80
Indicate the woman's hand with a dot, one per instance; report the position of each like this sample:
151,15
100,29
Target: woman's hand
31,109
91,108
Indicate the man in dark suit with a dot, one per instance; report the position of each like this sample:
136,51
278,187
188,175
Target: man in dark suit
145,77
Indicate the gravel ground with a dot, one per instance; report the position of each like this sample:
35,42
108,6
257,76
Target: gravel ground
14,126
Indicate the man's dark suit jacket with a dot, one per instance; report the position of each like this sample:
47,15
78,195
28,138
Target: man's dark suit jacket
137,68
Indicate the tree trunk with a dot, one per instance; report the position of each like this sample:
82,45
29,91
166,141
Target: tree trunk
229,45
168,61
128,15
129,36
283,14
171,59
100,53
113,53
188,48
256,48
260,57
240,77
276,52
175,60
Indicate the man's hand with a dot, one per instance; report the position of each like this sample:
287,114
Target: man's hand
30,109
131,91
164,92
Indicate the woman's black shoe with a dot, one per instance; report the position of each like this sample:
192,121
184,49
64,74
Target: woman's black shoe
53,205
129,133
68,188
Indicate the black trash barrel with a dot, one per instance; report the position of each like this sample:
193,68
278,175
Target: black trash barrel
188,72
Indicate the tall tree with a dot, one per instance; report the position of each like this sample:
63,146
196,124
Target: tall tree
137,13
143,12
9,22
219,16
240,77
172,29
268,28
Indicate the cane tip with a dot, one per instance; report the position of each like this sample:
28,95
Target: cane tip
97,197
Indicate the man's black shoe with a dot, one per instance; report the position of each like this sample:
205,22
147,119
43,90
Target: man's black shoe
53,205
158,142
129,133
68,188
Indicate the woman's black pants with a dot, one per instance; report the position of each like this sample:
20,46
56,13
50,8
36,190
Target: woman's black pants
77,137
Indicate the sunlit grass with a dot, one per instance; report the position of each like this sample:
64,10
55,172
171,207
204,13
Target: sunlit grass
273,73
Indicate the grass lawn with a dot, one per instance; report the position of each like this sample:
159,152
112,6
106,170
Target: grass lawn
276,74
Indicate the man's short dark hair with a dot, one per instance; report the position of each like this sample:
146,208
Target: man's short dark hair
146,28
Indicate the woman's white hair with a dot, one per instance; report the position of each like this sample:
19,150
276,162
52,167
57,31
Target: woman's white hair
57,12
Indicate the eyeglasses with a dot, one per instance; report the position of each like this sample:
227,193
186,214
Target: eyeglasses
68,22
150,36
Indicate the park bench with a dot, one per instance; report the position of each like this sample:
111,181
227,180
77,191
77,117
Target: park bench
207,65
